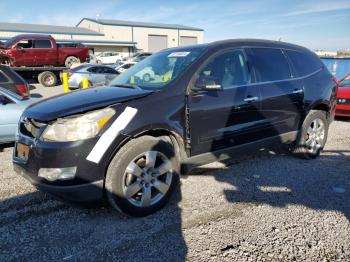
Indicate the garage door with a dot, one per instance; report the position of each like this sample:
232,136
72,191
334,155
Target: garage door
188,40
157,42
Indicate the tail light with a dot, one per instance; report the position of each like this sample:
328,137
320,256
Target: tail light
22,89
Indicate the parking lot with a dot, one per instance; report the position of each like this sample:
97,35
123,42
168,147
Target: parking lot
267,206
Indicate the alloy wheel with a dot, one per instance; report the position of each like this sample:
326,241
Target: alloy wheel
147,179
315,136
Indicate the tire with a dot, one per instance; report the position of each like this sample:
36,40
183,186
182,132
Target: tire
127,192
313,135
47,79
71,60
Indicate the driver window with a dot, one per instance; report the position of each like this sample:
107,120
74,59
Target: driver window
25,43
229,69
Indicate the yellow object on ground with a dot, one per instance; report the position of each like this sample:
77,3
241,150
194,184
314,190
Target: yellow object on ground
65,82
85,83
166,78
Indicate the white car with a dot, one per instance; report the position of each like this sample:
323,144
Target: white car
124,66
109,57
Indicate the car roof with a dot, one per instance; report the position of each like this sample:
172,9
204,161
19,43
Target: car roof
241,42
38,36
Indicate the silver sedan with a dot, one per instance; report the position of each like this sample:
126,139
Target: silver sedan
97,75
11,109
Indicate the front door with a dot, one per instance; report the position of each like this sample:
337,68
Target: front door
23,53
226,118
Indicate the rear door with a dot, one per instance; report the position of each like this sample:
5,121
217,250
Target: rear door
44,52
282,93
221,119
97,75
110,74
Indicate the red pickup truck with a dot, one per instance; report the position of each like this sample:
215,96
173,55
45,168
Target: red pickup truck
40,50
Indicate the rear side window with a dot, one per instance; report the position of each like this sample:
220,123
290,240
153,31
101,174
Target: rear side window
270,64
3,78
110,71
304,63
42,44
92,70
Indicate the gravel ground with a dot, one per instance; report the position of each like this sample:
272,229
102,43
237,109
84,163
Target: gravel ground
268,206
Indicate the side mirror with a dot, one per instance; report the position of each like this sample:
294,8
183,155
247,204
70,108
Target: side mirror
207,83
19,48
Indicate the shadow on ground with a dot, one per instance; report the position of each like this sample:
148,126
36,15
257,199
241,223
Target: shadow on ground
35,226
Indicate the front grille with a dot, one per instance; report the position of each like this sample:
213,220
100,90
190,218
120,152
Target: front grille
343,101
342,112
31,128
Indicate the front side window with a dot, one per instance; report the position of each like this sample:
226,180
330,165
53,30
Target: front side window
229,69
270,65
25,43
42,44
160,69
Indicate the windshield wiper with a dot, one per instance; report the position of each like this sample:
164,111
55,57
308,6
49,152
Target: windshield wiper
127,86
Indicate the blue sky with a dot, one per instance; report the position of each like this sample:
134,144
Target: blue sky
315,24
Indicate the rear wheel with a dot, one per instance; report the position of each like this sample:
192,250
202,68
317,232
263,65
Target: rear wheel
47,79
142,176
313,135
71,60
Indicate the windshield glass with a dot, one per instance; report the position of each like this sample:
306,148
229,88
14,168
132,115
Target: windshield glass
10,41
345,82
158,70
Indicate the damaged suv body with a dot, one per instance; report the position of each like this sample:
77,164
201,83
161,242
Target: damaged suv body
129,142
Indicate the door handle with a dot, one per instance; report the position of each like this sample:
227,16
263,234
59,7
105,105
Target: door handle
251,99
298,91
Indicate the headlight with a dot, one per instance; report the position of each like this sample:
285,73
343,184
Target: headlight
77,127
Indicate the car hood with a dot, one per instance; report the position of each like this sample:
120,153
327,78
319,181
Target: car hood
81,101
344,92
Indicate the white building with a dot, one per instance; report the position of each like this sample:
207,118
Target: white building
112,35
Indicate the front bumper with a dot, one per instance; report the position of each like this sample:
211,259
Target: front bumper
342,110
88,182
88,192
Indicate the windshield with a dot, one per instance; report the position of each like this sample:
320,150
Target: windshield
345,82
158,70
10,41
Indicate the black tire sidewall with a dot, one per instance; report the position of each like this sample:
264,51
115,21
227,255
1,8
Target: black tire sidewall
115,173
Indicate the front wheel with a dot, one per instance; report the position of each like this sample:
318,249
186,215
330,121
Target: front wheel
313,135
142,176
